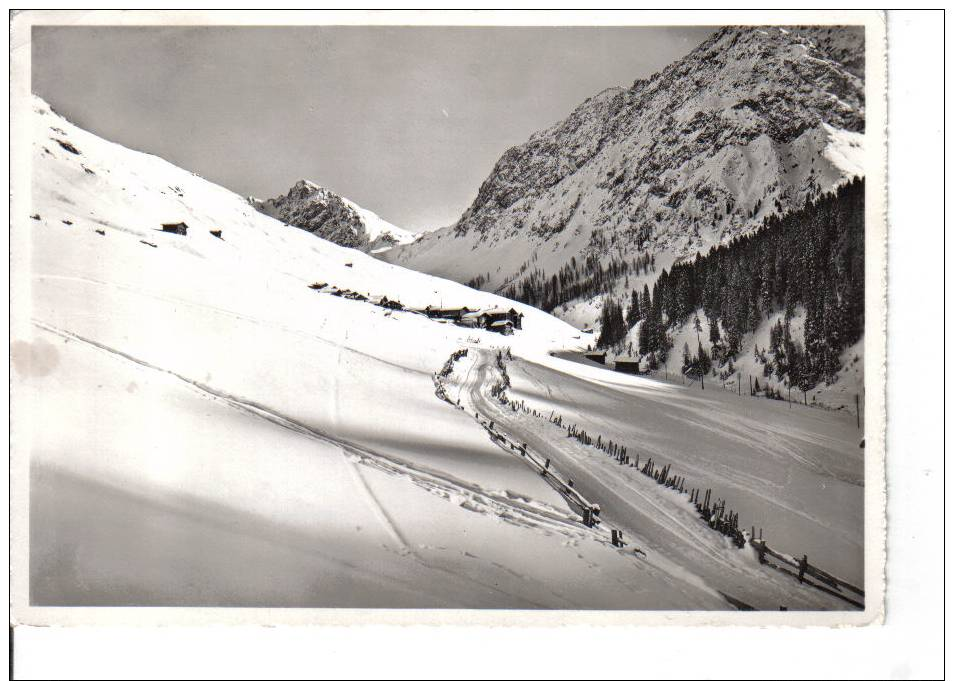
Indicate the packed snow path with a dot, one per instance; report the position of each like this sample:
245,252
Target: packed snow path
658,520
204,429
79,514
223,436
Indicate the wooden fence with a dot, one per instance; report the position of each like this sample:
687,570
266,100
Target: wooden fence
807,573
712,512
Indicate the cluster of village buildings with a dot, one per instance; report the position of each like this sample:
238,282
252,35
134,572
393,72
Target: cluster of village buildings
497,319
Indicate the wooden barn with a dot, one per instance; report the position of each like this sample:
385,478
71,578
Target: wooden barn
486,318
175,228
598,357
627,366
453,313
516,318
504,326
472,320
386,302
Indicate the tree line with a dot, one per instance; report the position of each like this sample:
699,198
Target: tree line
576,279
812,257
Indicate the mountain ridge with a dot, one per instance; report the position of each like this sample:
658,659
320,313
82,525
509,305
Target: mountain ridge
754,121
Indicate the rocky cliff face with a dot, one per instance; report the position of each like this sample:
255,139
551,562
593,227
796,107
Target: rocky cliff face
753,121
320,211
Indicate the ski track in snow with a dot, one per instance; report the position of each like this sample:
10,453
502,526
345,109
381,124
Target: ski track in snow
661,521
744,432
686,565
227,312
391,527
535,516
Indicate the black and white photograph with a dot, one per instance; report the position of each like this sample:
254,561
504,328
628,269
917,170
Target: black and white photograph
475,318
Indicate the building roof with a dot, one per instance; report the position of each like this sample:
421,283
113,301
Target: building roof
434,308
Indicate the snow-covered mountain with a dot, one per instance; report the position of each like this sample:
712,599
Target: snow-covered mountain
224,435
753,121
320,211
203,428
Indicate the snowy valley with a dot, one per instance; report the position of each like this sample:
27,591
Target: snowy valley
222,433
753,125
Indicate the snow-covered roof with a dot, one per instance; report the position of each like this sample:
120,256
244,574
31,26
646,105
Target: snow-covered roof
498,310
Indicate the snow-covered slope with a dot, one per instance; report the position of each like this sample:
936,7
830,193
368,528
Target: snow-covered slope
753,121
225,435
320,211
205,429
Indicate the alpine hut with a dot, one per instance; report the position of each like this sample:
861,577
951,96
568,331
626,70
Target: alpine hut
175,228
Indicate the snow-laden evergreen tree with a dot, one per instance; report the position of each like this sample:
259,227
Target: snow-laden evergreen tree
812,259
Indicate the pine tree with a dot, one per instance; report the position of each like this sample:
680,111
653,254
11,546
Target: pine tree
612,325
634,313
714,335
811,258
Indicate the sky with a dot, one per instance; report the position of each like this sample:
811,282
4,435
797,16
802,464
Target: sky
404,121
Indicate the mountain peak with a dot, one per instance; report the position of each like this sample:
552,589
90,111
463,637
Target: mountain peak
318,210
754,121
307,184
